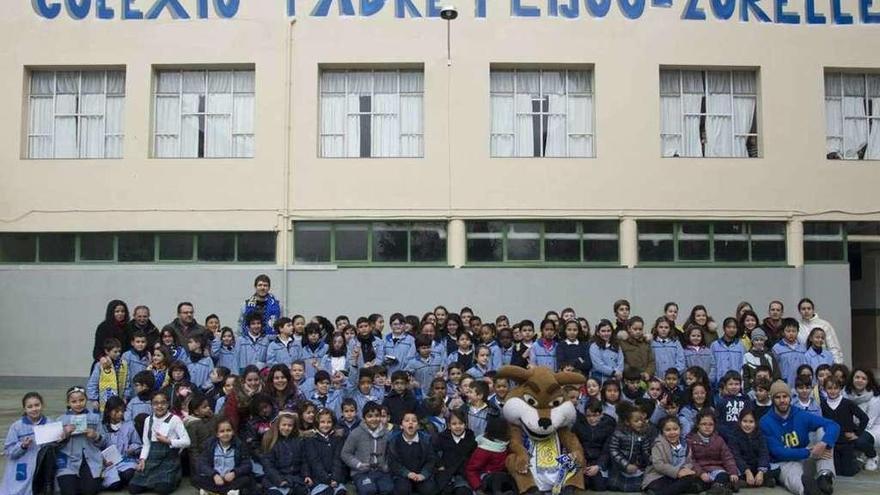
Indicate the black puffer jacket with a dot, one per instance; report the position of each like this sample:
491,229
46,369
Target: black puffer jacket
323,463
595,438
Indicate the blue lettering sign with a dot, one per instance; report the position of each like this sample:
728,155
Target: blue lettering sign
598,8
291,8
323,8
553,8
783,17
758,12
812,16
371,7
104,12
433,8
723,9
837,15
226,8
519,10
202,9
661,3
45,10
865,13
78,9
632,10
177,10
572,10
404,7
692,12
129,11
480,9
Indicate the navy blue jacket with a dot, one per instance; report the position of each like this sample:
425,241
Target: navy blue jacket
453,457
323,460
594,438
750,451
285,462
398,404
578,353
405,458
243,464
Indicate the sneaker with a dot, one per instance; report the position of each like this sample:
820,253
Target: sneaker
717,489
825,481
808,478
871,464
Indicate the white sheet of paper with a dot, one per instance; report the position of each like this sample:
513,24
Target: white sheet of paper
111,454
48,433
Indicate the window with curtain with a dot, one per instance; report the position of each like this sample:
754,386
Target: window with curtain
708,113
76,114
852,116
541,113
372,113
204,114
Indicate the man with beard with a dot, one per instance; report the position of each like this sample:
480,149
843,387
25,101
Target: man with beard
185,325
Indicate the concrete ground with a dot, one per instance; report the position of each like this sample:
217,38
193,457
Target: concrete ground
11,391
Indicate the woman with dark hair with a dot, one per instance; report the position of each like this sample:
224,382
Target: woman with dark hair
113,326
280,388
700,317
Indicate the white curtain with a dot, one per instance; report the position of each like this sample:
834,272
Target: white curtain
67,89
855,123
333,125
743,115
219,108
525,144
412,118
692,100
503,114
167,126
719,118
670,113
873,88
243,125
833,126
580,125
385,125
353,131
41,120
553,88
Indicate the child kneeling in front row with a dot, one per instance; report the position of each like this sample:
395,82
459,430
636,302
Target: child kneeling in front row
672,465
224,465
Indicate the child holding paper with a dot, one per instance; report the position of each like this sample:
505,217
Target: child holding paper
158,469
120,457
78,462
21,449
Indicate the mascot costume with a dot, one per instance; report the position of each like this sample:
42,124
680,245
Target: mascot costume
544,453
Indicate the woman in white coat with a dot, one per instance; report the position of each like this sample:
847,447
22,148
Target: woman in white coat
810,320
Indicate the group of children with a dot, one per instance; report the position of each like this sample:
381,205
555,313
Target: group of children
314,408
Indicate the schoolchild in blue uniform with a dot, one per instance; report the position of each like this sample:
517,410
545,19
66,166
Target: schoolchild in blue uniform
225,464
504,349
21,450
667,350
399,346
123,435
789,352
251,349
464,354
323,460
605,354
425,366
78,461
325,397
284,349
199,364
349,419
142,384
284,458
169,339
482,363
728,351
543,352
337,361
362,392
816,353
136,359
574,348
298,374
367,349
313,349
223,350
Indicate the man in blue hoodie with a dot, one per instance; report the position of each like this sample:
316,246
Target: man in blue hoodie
803,469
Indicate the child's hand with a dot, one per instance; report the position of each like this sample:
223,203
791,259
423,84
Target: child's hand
27,442
439,374
592,471
308,481
734,479
218,480
706,478
162,438
631,468
91,434
685,472
850,436
229,476
94,405
68,430
413,477
140,465
333,484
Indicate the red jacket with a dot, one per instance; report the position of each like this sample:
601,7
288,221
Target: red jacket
712,455
489,458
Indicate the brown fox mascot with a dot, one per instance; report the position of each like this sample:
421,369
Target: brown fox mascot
540,419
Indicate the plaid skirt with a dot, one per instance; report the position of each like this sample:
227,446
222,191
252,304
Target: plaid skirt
162,466
618,481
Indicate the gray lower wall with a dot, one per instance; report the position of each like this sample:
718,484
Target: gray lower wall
49,314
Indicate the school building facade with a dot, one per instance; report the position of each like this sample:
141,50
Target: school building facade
374,157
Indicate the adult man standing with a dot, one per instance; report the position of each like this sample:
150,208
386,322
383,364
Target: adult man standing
803,469
262,303
140,320
185,325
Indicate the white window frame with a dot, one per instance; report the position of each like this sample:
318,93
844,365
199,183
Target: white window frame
372,113
157,95
546,114
871,120
78,115
703,115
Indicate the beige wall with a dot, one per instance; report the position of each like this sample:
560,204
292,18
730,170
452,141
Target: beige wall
627,176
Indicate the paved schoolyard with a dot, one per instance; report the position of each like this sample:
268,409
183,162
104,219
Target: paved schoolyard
12,389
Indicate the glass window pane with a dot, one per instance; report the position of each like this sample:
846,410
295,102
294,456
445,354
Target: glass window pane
693,241
731,241
768,250
824,251
484,241
137,248
427,243
96,247
257,246
18,248
601,250
176,247
863,228
311,242
57,248
656,241
562,241
390,242
822,229
216,246
524,242
351,242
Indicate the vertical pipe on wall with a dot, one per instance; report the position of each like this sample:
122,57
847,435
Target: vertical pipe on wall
456,242
285,227
794,246
629,243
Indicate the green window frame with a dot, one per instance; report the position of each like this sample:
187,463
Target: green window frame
703,243
825,242
543,242
361,243
101,248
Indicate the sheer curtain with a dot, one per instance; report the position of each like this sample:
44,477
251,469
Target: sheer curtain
359,83
243,114
385,120
873,150
115,114
553,88
744,104
66,95
218,125
719,111
411,113
670,113
580,114
503,113
528,86
692,100
168,127
333,114
855,125
41,115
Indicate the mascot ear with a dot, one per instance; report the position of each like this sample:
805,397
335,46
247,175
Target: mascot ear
568,378
520,375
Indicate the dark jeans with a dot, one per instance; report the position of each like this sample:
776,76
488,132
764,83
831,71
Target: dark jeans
405,486
373,483
83,484
865,444
845,459
722,479
675,486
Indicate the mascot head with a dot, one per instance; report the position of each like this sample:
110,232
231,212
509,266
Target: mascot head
538,403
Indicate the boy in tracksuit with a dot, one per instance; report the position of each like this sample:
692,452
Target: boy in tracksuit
136,359
787,430
399,346
425,366
411,458
364,452
252,347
